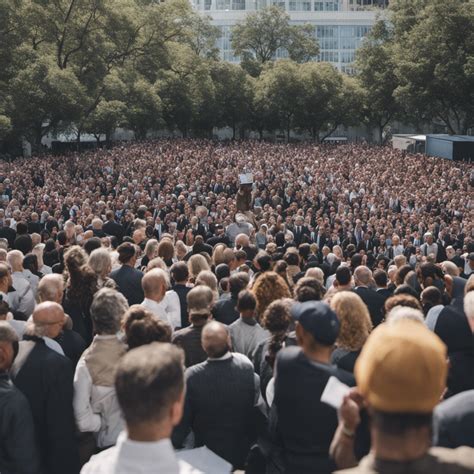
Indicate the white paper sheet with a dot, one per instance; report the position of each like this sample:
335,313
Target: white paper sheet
334,392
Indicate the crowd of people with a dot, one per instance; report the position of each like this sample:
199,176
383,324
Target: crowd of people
166,295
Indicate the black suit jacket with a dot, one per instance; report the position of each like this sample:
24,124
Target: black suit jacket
374,302
46,380
9,234
303,236
129,283
115,229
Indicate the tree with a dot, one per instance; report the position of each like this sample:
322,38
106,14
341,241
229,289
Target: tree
375,65
435,63
263,33
321,90
107,116
233,93
280,93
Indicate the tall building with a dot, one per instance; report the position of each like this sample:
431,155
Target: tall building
340,25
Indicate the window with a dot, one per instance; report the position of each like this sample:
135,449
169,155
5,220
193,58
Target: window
238,4
299,6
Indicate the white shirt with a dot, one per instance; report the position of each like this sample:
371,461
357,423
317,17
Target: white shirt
26,300
397,250
32,279
96,407
134,457
168,309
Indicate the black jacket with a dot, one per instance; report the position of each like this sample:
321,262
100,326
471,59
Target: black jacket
182,292
18,449
115,229
46,380
129,283
374,302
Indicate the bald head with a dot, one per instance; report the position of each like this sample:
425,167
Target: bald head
362,276
51,288
49,319
155,284
215,339
15,260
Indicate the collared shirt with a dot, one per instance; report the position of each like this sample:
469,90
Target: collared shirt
136,457
27,302
168,309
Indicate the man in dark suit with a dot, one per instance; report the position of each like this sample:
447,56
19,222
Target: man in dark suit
180,274
46,380
197,228
159,229
300,232
221,393
34,226
127,277
373,300
225,309
6,232
302,425
366,243
113,228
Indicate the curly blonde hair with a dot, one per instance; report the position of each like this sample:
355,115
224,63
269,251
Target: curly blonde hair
269,287
354,318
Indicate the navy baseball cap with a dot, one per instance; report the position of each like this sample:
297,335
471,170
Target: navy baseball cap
318,319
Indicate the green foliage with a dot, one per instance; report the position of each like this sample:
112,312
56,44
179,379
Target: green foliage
263,33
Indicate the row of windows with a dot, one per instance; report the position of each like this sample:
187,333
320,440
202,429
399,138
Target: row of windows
293,5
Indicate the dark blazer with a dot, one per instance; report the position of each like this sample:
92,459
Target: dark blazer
182,292
303,236
9,234
115,229
46,380
18,449
302,425
374,302
363,245
129,283
34,227
219,407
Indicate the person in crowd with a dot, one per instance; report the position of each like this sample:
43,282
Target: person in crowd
268,288
221,394
150,390
101,263
141,327
19,452
23,288
95,404
374,301
309,289
410,363
200,300
45,378
245,333
303,426
80,288
127,277
179,273
355,327
225,310
277,320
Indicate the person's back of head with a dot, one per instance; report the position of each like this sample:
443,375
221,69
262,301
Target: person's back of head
126,253
107,310
238,282
430,296
401,374
246,304
141,327
402,299
222,271
263,261
8,346
51,288
381,278
155,283
309,289
149,384
362,276
215,339
292,258
15,260
92,244
200,301
179,272
343,276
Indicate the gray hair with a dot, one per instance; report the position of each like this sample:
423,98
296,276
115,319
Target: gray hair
107,310
100,261
7,333
404,312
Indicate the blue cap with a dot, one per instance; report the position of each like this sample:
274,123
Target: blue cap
318,319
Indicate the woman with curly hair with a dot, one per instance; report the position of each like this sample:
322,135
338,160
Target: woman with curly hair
268,288
81,285
141,327
278,321
354,331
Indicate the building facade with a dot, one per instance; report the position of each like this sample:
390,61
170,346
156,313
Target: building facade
339,25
